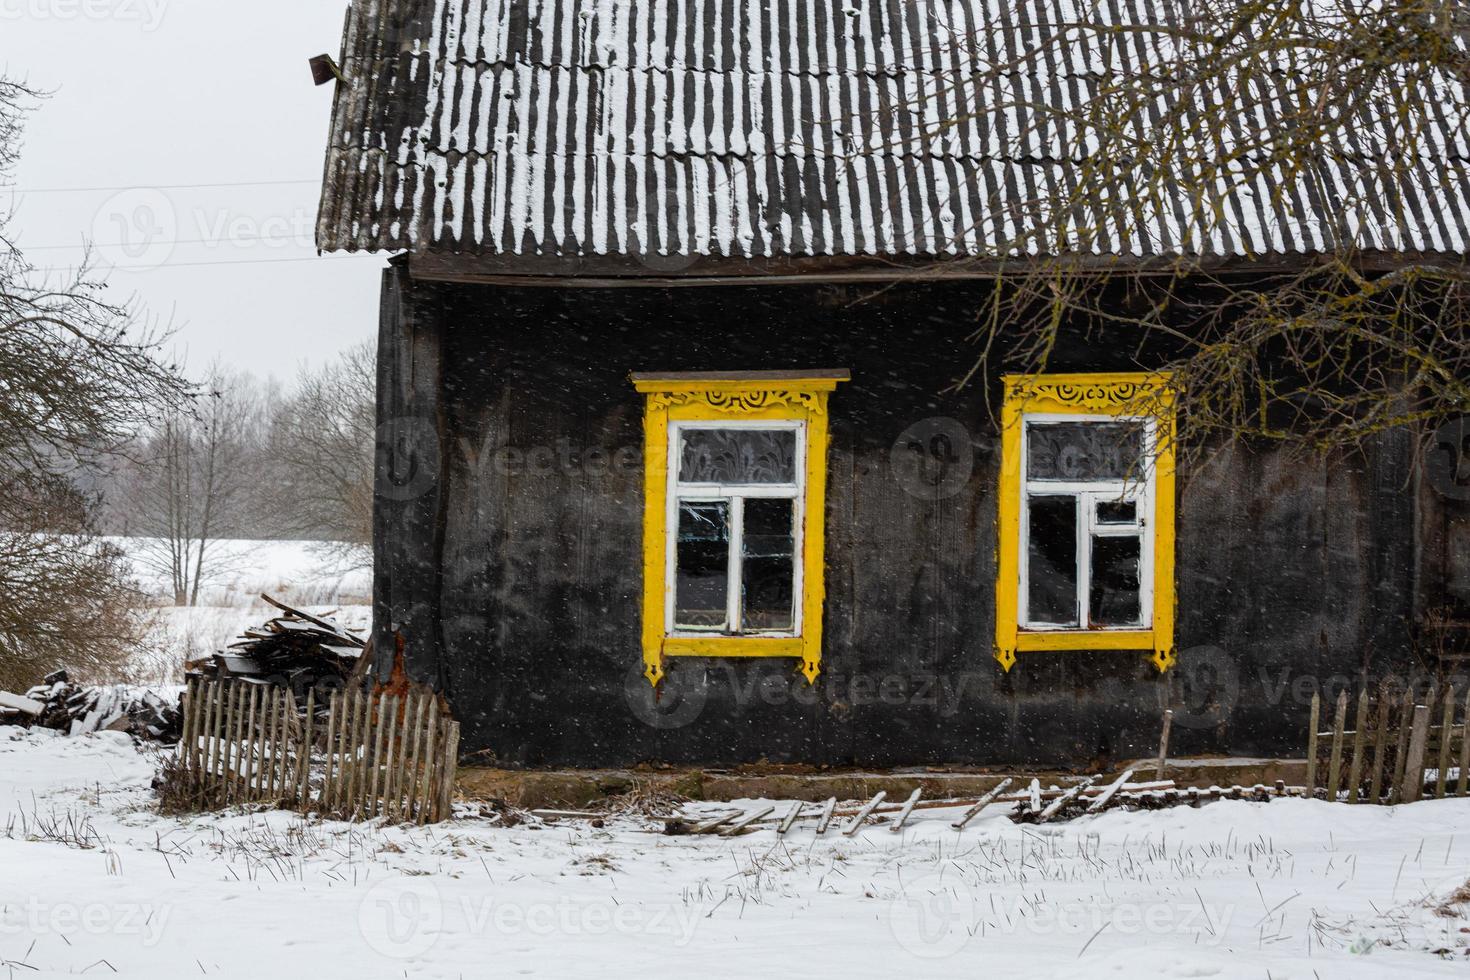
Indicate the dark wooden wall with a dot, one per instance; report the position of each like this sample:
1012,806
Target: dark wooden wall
509,542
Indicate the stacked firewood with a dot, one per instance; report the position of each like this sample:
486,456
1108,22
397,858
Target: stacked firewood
58,704
296,650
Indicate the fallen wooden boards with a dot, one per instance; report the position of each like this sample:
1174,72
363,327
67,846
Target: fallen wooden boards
981,804
863,814
1034,805
21,705
908,808
1108,794
1055,806
826,815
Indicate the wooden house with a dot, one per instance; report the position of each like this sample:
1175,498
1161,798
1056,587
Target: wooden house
673,467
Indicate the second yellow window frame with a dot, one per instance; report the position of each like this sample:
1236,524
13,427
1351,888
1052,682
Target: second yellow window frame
1082,396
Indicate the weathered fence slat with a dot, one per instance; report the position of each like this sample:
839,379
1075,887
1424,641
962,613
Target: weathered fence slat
1355,770
448,760
426,785
1312,736
1460,785
1412,786
1446,739
186,743
412,777
1401,747
211,696
1380,747
235,733
1334,765
252,723
303,751
333,758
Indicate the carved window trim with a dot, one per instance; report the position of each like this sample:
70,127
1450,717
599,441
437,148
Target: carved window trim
1041,398
674,400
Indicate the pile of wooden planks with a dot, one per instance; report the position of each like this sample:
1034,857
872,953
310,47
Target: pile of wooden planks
296,650
58,704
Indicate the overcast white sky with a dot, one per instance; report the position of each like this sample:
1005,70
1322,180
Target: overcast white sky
154,98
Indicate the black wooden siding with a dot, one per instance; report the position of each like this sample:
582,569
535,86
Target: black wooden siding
519,587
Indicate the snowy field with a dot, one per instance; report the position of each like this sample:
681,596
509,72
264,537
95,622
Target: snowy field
91,881
297,572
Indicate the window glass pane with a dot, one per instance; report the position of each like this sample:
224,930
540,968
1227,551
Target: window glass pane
1052,560
768,574
738,456
1084,451
1115,587
1117,512
702,573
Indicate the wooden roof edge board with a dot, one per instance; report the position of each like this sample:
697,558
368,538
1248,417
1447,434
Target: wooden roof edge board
613,272
655,378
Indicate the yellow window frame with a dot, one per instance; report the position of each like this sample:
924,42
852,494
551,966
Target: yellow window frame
1101,395
777,396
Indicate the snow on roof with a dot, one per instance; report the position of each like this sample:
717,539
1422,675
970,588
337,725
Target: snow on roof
782,128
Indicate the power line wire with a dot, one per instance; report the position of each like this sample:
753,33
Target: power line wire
244,239
188,265
154,187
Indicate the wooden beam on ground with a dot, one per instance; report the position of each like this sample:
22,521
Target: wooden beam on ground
826,819
862,814
908,808
790,818
981,804
1108,794
746,821
711,825
1056,805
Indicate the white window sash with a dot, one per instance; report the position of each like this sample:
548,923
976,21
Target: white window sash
736,495
1088,494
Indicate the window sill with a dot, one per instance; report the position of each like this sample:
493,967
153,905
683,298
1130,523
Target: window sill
1085,640
1159,644
733,646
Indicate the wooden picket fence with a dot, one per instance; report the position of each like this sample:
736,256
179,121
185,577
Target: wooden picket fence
369,757
1394,749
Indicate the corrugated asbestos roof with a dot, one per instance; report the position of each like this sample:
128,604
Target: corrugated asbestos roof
777,128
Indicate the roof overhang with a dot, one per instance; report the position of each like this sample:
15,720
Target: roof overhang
614,271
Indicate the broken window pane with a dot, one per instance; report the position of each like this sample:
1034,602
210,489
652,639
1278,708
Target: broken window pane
1078,451
734,456
702,560
1115,581
770,561
1052,560
1117,511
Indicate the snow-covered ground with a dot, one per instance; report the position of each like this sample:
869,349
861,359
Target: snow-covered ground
301,573
92,881
239,570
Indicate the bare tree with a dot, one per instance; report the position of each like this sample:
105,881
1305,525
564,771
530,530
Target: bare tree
321,446
78,375
193,483
1189,121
